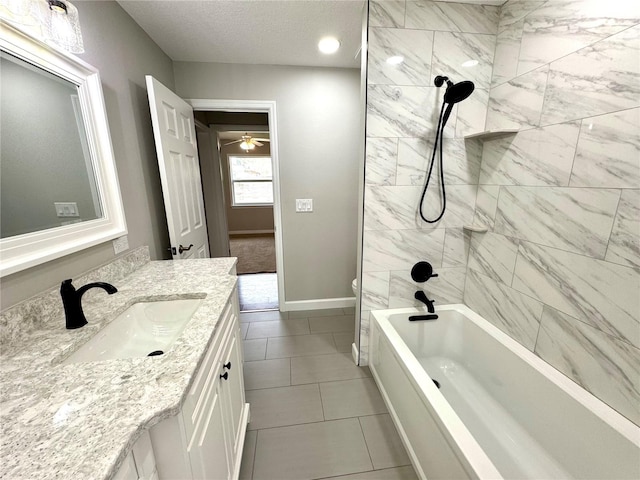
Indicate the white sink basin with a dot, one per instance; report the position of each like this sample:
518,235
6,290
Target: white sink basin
142,328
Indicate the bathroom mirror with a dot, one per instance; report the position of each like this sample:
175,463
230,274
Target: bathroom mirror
59,190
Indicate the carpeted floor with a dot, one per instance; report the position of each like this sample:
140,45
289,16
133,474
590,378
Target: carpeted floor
256,253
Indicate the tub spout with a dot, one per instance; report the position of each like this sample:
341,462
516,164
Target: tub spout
420,295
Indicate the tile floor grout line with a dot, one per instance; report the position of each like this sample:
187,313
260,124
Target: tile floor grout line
362,471
291,384
366,445
297,356
321,402
303,423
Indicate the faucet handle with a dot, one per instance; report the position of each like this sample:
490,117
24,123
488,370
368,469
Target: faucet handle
422,271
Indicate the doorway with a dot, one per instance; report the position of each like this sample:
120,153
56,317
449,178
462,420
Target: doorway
241,191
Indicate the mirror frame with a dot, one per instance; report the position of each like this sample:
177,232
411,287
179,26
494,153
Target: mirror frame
24,251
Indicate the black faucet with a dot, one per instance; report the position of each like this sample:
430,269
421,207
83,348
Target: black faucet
72,301
420,295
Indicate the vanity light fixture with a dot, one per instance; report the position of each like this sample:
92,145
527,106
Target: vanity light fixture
61,25
395,60
57,6
329,45
51,21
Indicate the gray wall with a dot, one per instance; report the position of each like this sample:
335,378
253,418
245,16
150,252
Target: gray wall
244,218
123,53
42,155
318,116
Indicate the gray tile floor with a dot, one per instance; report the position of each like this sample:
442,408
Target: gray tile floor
314,414
258,291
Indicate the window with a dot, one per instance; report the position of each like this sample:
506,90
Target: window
251,180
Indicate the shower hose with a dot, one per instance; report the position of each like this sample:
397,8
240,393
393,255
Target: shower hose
439,136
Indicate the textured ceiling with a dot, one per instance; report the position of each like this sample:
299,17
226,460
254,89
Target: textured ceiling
257,32
478,2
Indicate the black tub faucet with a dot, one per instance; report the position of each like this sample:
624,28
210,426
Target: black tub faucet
72,301
420,295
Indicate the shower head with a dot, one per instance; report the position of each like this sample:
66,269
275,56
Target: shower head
455,92
458,92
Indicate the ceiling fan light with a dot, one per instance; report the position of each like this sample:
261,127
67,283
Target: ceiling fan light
247,145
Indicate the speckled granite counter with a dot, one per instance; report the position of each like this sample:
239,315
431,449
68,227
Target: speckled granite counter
80,420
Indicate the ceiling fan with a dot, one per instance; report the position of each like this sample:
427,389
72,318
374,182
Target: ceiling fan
247,142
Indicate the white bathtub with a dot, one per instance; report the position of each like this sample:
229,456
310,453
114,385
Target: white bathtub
501,411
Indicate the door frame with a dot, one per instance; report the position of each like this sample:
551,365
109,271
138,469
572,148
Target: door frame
268,107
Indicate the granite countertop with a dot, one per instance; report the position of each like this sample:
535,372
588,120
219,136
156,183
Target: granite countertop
81,420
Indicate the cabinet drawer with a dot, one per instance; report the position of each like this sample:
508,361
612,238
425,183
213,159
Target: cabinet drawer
194,403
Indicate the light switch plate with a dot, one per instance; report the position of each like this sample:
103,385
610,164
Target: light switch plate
304,205
120,244
66,209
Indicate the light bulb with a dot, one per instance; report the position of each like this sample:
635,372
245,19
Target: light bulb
328,45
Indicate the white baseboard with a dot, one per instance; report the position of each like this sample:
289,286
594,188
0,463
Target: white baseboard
355,353
319,304
249,232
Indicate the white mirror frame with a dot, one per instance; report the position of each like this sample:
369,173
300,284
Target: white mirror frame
25,251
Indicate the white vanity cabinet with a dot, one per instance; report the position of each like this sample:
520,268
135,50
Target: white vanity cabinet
205,440
140,464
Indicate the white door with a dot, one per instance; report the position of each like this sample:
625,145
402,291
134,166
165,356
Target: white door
175,136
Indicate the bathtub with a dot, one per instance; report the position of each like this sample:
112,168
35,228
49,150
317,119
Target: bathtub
499,410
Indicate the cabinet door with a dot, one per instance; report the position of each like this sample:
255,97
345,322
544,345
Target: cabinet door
207,449
127,470
232,390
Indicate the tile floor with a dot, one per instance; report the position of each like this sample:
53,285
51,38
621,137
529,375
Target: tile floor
314,414
258,291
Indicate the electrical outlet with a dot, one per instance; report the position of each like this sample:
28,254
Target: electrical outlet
304,205
120,244
66,209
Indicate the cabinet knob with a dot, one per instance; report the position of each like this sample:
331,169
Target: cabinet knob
227,366
225,375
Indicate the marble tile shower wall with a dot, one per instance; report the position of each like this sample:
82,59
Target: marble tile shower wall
559,269
403,105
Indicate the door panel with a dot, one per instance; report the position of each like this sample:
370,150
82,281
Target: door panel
174,132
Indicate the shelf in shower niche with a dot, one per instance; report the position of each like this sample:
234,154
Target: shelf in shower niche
489,134
475,228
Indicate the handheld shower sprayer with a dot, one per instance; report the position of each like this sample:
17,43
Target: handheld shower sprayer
455,93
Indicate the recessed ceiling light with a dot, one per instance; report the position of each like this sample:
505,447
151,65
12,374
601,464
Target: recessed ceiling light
470,63
395,60
328,45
